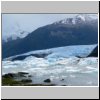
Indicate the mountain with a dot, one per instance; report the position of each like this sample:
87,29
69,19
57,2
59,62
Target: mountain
79,30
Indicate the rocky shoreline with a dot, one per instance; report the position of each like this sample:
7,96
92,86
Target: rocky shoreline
21,79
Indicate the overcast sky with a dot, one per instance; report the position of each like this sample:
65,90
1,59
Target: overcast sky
28,22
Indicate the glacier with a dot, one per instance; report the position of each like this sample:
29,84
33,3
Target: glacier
65,51
61,66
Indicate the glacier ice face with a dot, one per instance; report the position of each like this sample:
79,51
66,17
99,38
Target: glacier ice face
61,52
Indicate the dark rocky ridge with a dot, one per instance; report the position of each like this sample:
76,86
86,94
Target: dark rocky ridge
94,53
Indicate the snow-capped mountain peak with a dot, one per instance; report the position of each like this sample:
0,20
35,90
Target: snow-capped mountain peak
85,17
82,17
77,19
15,32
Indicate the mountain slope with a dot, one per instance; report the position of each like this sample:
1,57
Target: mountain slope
72,31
